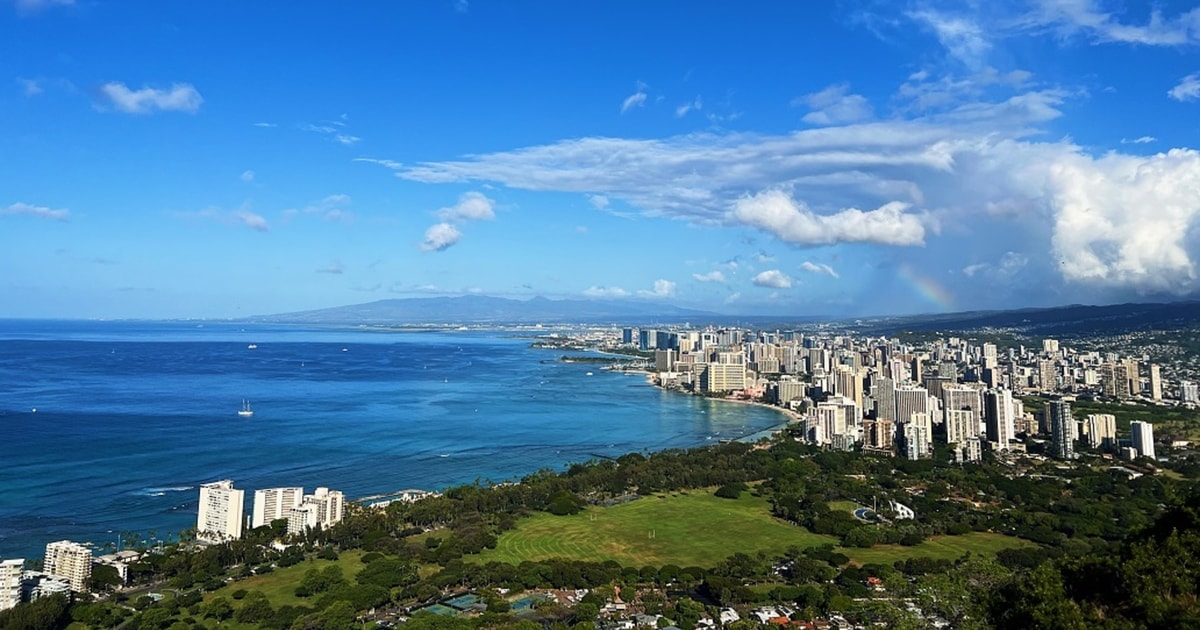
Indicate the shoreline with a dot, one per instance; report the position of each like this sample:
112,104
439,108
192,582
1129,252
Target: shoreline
790,416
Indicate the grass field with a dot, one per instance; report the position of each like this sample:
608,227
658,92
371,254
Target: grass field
688,529
280,584
940,547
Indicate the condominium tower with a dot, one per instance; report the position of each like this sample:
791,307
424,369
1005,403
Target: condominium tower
70,561
221,509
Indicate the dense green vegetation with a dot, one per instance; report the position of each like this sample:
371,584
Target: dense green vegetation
1026,544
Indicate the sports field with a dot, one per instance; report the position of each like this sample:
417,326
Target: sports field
685,529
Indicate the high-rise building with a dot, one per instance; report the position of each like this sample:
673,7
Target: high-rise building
319,510
998,417
1114,379
883,390
918,442
1062,429
960,425
274,503
1050,346
220,514
912,399
1155,382
918,370
70,561
1047,375
1100,429
969,450
1142,434
1189,392
10,583
989,352
626,335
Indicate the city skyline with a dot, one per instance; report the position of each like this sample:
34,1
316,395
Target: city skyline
860,158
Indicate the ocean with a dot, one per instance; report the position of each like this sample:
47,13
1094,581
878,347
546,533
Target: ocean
108,428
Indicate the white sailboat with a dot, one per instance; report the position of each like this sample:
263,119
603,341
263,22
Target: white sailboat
245,411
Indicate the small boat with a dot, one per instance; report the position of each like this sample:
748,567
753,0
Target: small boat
589,373
252,346
245,411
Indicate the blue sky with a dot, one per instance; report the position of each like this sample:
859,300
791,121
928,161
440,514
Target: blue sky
843,158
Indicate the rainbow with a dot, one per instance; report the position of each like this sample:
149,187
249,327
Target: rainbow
927,288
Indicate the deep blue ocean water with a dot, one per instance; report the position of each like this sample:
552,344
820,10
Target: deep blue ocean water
132,416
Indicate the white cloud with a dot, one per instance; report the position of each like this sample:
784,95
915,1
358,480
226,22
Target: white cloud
662,288
471,206
712,276
346,139
599,202
775,212
461,6
1129,221
980,167
1087,18
247,176
733,297
1141,140
773,278
392,164
30,87
820,268
637,99
1009,265
334,130
181,97
41,212
1188,88
330,208
961,36
267,125
251,220
835,106
763,258
605,292
440,236
683,110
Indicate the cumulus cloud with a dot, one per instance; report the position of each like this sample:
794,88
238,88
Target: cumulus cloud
637,99
1129,221
180,97
439,237
975,167
662,288
712,276
41,212
600,291
773,278
819,268
835,106
1188,88
471,206
793,222
598,202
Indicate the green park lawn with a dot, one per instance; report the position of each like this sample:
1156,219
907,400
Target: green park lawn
937,547
685,529
280,584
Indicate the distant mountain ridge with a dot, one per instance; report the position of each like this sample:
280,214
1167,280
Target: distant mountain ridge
481,309
1074,319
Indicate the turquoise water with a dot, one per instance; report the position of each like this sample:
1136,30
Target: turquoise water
131,417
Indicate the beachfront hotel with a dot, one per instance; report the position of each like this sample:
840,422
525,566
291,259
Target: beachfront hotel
10,583
221,509
319,510
272,504
70,561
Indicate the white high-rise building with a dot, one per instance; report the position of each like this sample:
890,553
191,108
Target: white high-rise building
961,425
319,510
274,503
1189,392
70,561
911,399
1101,429
1062,429
1142,434
10,583
221,512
